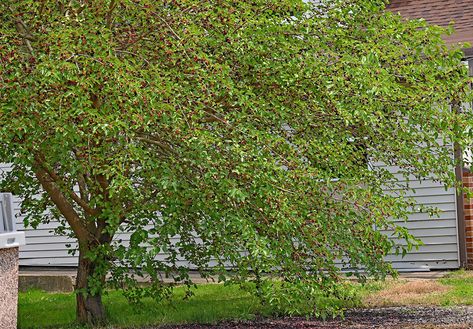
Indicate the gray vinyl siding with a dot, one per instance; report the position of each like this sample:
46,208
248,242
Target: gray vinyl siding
43,248
440,249
439,234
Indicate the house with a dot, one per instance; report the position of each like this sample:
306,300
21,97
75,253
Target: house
444,238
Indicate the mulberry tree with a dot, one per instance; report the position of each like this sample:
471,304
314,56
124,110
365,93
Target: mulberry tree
240,135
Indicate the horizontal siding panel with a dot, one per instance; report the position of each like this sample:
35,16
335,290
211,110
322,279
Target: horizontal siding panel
425,265
431,223
449,206
49,239
61,253
422,191
416,183
433,240
49,226
430,232
407,176
37,260
450,214
64,254
46,233
421,257
49,261
435,199
45,246
435,248
43,236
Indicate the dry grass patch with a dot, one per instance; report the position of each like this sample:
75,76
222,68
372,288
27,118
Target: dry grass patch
402,293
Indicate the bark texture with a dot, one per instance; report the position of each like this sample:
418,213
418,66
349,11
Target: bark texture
89,306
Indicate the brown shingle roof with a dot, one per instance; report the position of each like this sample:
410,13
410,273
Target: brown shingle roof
440,12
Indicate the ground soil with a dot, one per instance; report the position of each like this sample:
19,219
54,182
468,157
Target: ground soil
390,318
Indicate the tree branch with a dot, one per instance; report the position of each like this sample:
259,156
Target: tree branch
150,140
61,202
23,31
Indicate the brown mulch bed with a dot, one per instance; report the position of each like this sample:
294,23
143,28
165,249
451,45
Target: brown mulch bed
390,317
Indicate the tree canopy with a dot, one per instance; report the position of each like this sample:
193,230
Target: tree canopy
228,134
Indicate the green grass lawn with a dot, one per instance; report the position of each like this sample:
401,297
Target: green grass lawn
38,309
461,288
211,303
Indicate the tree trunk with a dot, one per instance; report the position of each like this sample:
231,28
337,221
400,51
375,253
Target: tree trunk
89,307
